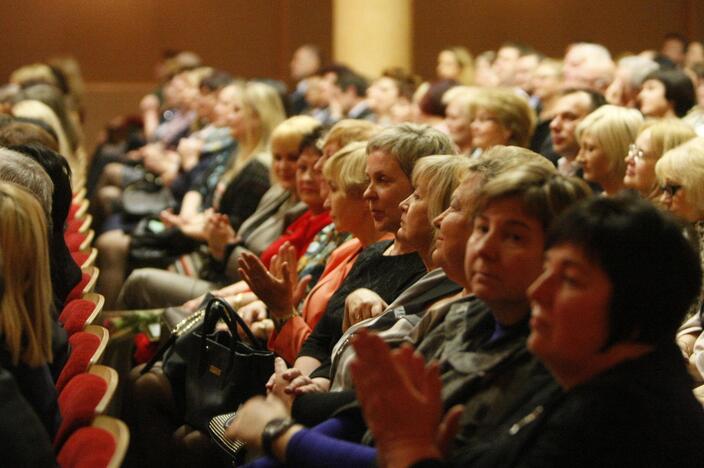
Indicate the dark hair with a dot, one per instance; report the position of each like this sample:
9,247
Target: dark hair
349,79
654,270
431,102
679,89
596,99
313,139
406,82
679,37
60,173
215,81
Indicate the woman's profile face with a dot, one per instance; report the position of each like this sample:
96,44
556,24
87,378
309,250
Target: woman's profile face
487,130
454,225
570,309
416,229
448,68
388,186
640,164
458,124
348,211
595,163
674,199
651,99
308,180
230,111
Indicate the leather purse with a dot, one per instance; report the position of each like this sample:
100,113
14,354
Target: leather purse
213,372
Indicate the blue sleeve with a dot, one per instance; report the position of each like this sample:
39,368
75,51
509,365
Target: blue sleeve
320,447
310,448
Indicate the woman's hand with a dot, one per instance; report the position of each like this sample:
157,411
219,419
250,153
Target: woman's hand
275,291
361,304
401,401
219,234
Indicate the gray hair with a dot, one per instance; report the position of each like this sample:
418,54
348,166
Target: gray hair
27,173
409,142
638,68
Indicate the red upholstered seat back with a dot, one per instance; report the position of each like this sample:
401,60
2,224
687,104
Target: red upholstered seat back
74,315
80,257
74,240
88,447
77,403
83,346
77,291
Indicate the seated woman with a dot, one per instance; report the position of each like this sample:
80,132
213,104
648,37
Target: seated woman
453,227
618,279
604,137
328,239
666,93
655,137
478,340
24,171
500,117
26,302
252,112
680,174
455,63
279,207
392,153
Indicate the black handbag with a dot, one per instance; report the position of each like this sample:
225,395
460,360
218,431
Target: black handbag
146,197
213,372
157,248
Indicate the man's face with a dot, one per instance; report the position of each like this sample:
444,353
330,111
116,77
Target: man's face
569,112
304,63
505,65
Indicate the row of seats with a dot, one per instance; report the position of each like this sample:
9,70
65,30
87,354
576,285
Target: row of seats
87,437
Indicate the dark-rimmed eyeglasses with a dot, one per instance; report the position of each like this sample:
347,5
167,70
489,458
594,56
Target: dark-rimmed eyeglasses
670,189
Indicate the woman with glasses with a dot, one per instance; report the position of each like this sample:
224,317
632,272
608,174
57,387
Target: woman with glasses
604,137
655,138
680,173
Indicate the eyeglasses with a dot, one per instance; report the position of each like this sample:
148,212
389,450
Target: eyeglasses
635,152
670,189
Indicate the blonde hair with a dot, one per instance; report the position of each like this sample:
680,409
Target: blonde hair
25,321
33,109
614,128
33,73
441,174
289,133
347,168
465,61
666,134
348,130
511,110
685,165
260,102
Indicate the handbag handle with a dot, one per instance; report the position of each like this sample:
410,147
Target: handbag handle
219,308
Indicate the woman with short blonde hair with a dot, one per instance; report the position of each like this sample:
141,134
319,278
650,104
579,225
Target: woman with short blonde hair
501,117
604,137
655,138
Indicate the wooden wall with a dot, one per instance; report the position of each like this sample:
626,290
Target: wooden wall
118,41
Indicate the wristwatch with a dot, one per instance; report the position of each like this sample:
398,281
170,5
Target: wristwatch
272,431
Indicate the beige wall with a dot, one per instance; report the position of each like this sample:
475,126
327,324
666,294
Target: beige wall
118,41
